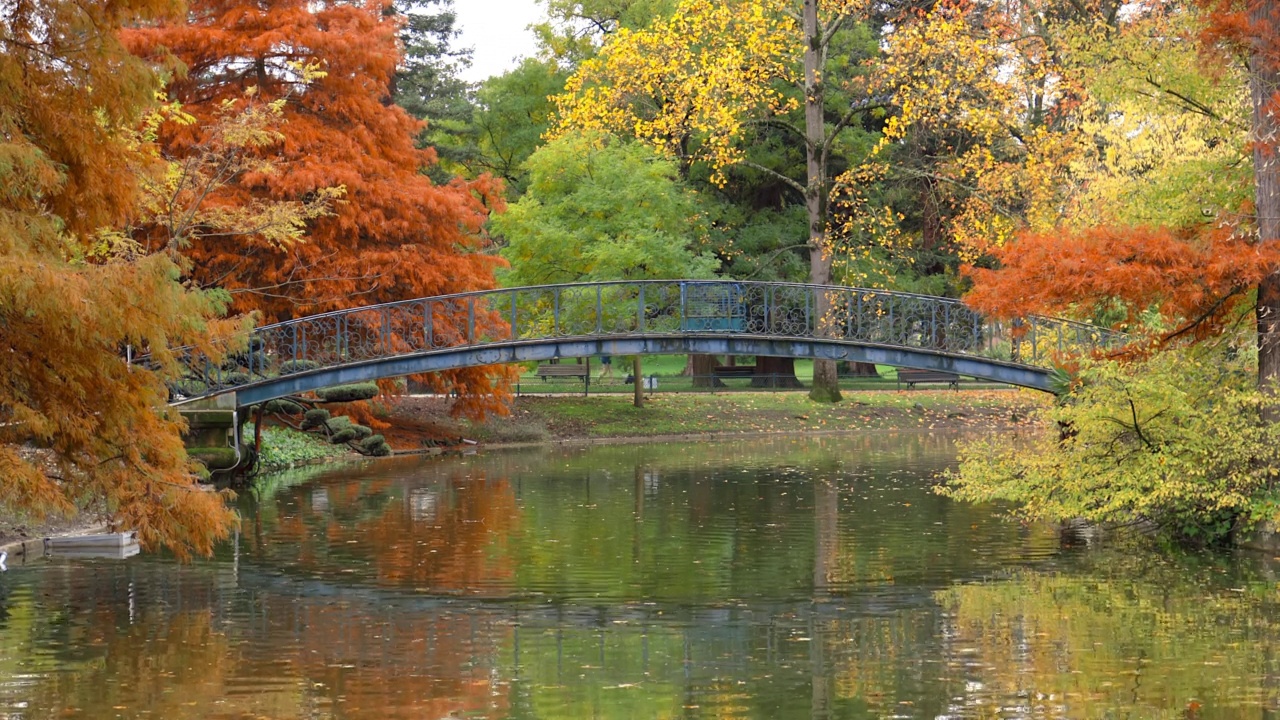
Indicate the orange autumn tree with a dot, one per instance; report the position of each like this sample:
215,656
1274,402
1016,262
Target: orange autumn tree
1194,281
78,424
394,235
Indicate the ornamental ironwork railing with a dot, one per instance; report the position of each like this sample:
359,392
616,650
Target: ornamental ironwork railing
607,310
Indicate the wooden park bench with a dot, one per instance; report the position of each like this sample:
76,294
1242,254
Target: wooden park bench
566,371
911,376
733,371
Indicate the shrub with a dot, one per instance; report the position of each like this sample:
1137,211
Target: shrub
315,418
361,431
236,378
348,393
283,407
188,387
375,445
338,423
284,447
256,360
344,435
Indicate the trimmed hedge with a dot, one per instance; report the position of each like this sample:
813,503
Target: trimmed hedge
283,407
315,418
375,445
338,423
349,393
236,378
188,387
344,435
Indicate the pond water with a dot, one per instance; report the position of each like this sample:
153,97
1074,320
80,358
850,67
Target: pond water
805,578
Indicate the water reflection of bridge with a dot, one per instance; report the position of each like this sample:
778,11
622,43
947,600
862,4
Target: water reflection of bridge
639,318
810,651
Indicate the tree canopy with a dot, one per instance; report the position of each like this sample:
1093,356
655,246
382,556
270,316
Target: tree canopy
395,234
598,208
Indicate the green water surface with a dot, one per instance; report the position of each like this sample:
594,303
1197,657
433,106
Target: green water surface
781,578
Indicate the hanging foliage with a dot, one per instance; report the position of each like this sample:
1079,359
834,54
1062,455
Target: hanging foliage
78,424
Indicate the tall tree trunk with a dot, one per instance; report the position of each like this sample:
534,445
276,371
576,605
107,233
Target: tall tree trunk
775,372
862,369
637,398
1264,81
702,368
826,385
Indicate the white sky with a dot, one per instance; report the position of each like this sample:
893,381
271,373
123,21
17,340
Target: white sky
497,31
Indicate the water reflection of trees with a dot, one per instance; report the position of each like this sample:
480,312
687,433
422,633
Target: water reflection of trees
1128,634
635,584
443,536
202,645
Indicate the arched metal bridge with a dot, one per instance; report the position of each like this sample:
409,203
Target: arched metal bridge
639,318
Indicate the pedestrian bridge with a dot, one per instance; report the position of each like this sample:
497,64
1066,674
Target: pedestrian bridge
511,325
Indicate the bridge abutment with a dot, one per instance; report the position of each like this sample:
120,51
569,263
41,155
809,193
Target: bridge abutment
211,428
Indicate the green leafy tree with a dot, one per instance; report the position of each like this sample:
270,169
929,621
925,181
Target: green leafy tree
427,84
1173,440
598,208
512,112
693,83
575,29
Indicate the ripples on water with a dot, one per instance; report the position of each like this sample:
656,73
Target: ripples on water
814,578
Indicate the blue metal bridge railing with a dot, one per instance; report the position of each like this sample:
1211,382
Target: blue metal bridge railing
657,308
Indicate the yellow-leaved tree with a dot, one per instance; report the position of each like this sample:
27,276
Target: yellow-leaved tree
692,82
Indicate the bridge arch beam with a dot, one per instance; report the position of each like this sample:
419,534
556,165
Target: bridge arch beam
718,344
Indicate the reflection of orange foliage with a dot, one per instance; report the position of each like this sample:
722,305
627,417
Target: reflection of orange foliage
401,664
369,660
458,546
1187,278
445,537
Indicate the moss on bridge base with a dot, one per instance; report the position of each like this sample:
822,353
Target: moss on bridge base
214,458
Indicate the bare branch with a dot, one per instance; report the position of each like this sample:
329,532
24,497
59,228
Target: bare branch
790,182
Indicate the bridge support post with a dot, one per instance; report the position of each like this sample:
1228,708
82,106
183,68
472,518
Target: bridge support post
210,435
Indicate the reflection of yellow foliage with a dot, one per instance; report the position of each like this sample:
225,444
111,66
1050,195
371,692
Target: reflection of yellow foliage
1089,646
